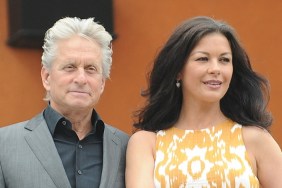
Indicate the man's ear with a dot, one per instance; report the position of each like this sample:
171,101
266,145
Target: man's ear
103,84
45,76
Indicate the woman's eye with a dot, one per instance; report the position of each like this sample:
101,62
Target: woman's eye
202,59
224,59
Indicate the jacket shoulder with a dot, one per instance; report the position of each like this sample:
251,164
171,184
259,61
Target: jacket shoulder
118,133
19,128
13,127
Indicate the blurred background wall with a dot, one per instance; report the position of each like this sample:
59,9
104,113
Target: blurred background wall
142,27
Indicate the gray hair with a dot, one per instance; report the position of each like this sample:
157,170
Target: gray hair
66,28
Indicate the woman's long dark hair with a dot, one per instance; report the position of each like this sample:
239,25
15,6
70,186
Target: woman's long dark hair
245,101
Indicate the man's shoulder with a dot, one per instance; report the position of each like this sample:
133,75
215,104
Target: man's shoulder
117,132
13,132
20,125
14,126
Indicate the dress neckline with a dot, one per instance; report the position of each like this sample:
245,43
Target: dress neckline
214,127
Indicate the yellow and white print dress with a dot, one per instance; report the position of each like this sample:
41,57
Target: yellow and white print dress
208,158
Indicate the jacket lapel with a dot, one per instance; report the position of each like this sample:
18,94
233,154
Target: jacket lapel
111,158
42,145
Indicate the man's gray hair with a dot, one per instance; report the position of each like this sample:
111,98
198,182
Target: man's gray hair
68,27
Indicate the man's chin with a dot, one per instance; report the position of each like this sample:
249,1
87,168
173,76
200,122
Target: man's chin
79,105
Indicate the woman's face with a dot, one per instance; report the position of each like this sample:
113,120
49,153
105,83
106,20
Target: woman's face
207,73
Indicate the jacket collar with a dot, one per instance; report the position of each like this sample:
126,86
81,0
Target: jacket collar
41,143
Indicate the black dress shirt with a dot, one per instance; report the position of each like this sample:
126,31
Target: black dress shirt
82,159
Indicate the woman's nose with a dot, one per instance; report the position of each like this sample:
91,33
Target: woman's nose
214,67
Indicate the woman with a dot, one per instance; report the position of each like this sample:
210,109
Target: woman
205,122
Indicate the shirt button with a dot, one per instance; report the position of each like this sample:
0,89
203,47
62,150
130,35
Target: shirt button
64,122
80,146
79,172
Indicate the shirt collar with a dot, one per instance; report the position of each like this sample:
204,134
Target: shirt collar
53,118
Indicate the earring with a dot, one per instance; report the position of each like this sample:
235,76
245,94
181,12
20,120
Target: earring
177,83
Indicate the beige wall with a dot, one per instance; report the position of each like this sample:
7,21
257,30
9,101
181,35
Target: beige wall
142,27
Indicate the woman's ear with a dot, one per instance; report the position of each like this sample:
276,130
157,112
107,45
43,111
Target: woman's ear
179,76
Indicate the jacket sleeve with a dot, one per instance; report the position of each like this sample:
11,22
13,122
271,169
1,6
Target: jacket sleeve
2,182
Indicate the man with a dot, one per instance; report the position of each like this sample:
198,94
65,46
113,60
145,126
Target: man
67,145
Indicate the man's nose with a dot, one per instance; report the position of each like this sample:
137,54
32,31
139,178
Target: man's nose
80,76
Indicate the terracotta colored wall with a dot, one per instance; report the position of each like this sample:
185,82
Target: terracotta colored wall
142,27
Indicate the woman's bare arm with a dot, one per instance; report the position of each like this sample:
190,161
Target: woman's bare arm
140,160
267,154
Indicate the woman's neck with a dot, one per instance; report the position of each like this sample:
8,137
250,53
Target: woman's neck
199,117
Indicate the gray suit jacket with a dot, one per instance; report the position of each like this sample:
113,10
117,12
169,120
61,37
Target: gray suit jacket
29,158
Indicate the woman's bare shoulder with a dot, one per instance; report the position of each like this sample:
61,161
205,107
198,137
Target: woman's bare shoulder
143,137
143,133
141,147
267,155
140,159
255,134
259,142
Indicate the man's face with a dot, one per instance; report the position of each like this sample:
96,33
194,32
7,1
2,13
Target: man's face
75,81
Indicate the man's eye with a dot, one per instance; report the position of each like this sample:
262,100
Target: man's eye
91,69
69,68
